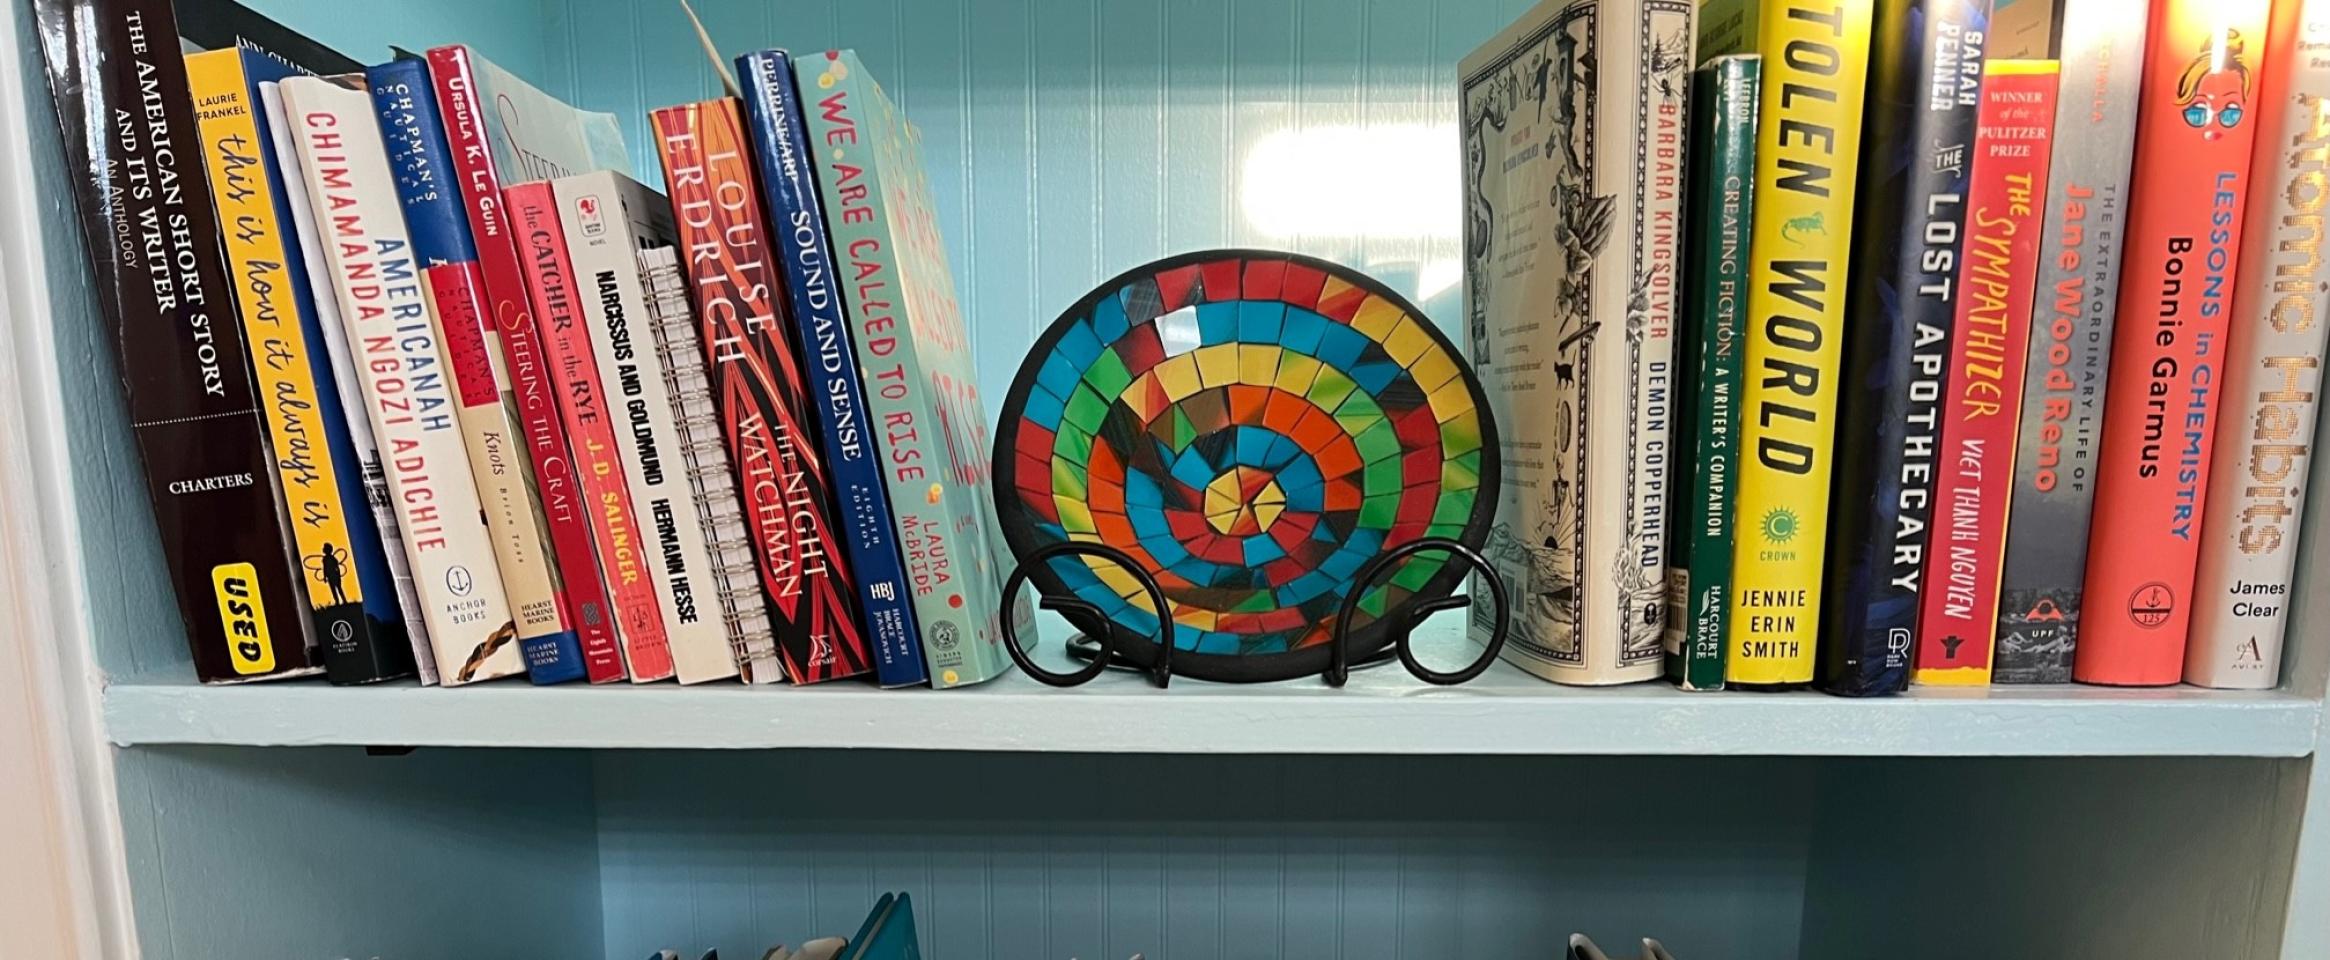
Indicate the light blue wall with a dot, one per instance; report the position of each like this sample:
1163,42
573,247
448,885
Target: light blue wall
508,32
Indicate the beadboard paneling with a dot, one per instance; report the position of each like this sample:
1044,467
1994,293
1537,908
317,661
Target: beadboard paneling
1069,140
1023,857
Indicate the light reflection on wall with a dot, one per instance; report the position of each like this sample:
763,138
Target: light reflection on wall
1383,197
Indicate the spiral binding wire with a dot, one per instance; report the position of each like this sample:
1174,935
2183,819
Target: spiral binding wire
750,639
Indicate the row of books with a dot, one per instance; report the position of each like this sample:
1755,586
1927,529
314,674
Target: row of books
1991,355
510,411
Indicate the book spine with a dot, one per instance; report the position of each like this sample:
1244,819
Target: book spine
1816,63
405,100
2071,336
718,516
912,348
1982,406
2273,362
2193,145
590,430
1925,79
119,86
525,377
227,118
780,473
316,292
378,283
772,101
606,219
1723,112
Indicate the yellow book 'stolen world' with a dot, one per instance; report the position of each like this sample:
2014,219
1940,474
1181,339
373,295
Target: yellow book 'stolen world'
1816,61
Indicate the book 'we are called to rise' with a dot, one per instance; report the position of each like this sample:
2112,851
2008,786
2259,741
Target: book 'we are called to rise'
2273,370
1573,121
2071,338
1816,63
1982,405
2194,136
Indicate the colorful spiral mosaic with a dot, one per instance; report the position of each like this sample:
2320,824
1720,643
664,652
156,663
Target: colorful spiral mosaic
1252,428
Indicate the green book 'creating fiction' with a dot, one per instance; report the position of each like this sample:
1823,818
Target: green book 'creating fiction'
1723,165
922,397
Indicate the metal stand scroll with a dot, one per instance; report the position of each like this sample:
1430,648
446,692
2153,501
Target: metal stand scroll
1103,652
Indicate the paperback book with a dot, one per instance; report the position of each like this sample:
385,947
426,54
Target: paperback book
364,639
837,389
1573,121
118,83
698,443
1706,441
916,358
585,410
2193,144
608,218
2273,370
1816,62
1925,82
760,390
377,279
2071,336
1982,404
528,136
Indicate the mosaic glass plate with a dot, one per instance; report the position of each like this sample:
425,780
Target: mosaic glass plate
1252,428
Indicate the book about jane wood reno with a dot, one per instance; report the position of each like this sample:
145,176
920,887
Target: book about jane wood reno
530,135
1573,123
377,279
2071,339
2194,136
118,83
1816,59
916,357
780,475
2273,370
1925,77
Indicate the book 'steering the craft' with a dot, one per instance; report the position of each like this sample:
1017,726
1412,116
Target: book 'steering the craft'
1573,121
2194,136
1706,434
2273,369
759,387
382,300
916,358
2071,337
1925,80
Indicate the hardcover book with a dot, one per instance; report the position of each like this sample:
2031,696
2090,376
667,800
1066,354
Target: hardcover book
585,410
772,108
377,279
1925,82
916,358
409,122
1573,122
698,443
118,83
315,461
608,218
1706,435
2273,364
760,390
528,136
2193,143
2071,337
1982,404
1816,63
353,403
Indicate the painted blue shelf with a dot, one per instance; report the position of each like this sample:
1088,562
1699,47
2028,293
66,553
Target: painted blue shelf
1382,712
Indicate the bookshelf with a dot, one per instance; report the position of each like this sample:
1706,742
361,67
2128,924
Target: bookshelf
1071,140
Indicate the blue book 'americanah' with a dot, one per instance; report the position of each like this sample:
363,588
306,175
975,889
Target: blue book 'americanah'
368,552
403,96
772,107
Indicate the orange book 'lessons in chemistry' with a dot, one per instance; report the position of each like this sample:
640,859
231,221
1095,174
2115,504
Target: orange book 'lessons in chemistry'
2194,136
